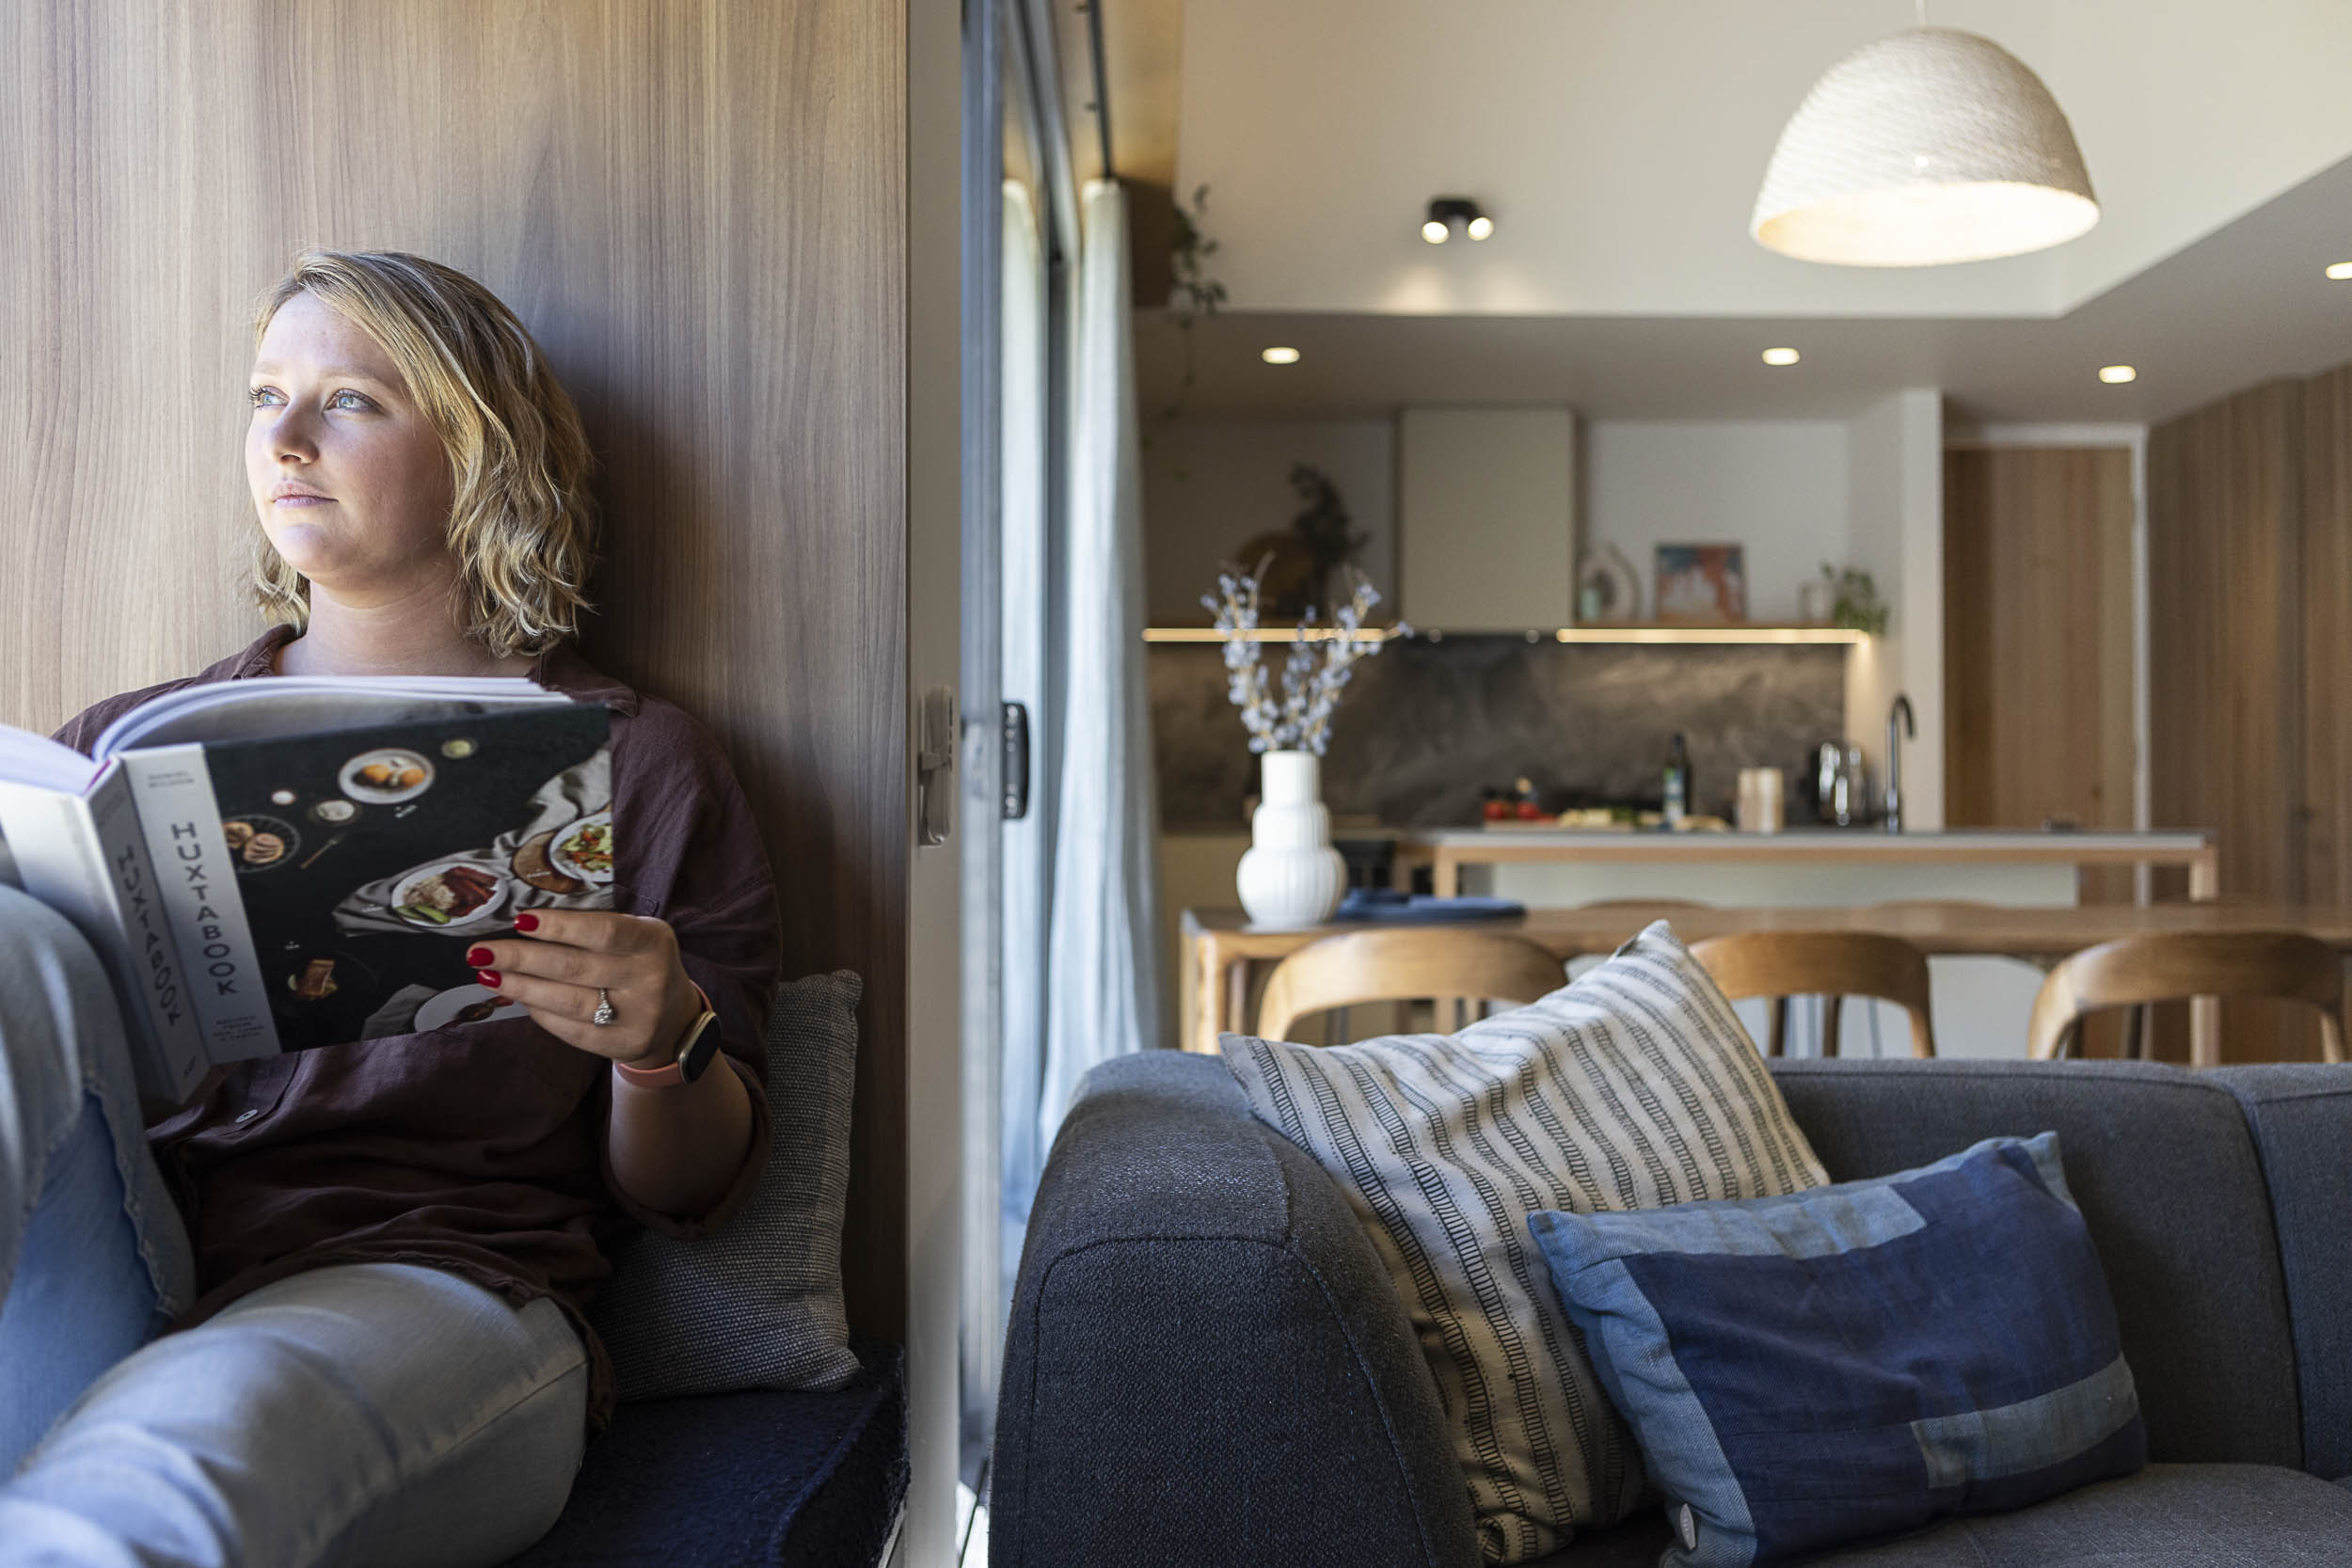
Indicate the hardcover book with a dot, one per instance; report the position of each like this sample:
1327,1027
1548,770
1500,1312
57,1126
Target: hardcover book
275,865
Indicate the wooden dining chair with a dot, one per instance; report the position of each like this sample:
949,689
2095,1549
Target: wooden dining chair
1832,965
2179,966
1408,964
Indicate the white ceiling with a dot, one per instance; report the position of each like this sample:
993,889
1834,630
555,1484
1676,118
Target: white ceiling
1619,143
2239,307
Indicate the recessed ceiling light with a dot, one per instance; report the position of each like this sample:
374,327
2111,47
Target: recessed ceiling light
1781,357
2115,375
1280,355
2339,271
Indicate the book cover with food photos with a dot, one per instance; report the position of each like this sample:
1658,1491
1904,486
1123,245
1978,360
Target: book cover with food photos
369,860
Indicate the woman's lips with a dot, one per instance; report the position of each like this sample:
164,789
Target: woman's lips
303,500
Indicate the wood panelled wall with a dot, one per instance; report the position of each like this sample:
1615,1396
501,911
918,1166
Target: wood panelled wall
699,208
2249,540
2037,636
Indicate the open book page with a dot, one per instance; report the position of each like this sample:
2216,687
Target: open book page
35,760
293,704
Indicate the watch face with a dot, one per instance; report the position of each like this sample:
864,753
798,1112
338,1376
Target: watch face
701,1049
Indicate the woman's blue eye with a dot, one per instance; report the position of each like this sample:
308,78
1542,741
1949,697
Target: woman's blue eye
356,401
261,397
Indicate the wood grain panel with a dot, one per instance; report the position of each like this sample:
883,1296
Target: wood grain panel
2037,636
2037,639
700,211
2327,657
2225,612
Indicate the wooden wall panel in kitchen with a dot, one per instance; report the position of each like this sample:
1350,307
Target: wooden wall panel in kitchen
701,212
2326,630
2225,532
2037,636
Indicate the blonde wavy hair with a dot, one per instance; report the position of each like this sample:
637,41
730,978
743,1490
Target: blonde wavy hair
522,524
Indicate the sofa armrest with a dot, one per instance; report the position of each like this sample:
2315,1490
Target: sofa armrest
1206,1363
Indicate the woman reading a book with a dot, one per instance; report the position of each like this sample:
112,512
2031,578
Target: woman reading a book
330,1310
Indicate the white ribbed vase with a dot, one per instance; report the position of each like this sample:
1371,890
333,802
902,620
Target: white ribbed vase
1291,876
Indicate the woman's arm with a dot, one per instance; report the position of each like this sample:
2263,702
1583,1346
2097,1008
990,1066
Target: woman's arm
673,1149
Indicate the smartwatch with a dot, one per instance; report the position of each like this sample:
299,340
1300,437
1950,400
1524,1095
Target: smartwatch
695,1049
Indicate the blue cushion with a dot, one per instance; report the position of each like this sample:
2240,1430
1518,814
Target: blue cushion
1858,1359
741,1480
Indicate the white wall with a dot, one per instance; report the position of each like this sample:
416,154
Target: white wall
1896,504
1209,487
1776,487
1619,145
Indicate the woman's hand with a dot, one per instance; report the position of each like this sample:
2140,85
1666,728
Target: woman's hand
562,956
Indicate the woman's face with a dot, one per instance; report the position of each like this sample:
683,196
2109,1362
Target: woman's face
350,479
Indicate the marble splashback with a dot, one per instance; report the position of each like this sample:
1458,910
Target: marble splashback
1426,727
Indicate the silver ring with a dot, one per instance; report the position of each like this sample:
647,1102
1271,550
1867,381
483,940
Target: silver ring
604,1007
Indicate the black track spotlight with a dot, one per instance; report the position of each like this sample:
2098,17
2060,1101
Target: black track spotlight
1448,213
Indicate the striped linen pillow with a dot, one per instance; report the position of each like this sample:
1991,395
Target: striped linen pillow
1633,1088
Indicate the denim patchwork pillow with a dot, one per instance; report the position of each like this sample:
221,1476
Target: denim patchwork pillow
1857,1359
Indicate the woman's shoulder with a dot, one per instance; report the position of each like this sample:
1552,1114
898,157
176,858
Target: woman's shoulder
647,730
82,731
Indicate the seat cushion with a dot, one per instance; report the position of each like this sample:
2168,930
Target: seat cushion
1846,1362
2165,1516
741,1480
1633,1088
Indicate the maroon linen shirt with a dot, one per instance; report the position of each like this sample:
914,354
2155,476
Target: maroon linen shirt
481,1150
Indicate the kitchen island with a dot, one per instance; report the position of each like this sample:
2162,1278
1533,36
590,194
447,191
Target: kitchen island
1806,866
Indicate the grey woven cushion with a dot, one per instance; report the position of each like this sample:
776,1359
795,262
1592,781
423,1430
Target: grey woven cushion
756,1304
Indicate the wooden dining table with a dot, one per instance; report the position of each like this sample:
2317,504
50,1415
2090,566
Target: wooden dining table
1223,950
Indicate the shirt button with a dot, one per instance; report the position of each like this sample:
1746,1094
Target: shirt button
244,1117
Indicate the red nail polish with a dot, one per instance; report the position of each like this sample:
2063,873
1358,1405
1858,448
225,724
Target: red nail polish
491,978
526,923
479,955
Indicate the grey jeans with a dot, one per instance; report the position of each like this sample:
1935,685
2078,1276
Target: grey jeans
375,1414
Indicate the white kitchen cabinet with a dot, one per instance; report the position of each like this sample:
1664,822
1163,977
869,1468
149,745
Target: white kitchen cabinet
1486,518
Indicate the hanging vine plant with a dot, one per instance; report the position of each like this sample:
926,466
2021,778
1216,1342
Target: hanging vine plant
1197,295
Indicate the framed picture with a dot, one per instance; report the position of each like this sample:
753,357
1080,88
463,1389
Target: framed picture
1702,584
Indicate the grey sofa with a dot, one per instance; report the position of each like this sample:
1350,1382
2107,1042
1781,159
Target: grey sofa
1206,1365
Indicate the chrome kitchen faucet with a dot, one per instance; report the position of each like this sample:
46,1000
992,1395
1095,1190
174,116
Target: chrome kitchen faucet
1899,723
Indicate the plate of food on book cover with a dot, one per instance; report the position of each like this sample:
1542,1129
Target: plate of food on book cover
464,1005
531,865
258,841
322,982
384,776
584,849
451,894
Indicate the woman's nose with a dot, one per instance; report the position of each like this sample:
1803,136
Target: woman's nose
291,438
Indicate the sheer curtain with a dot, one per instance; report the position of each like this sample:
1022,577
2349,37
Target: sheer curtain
1102,988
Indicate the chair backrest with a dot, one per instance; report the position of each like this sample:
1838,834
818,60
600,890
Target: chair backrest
1830,964
2177,966
1406,963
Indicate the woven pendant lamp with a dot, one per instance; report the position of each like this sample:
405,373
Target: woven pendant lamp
1929,147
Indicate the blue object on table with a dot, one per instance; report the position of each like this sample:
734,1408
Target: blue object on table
1381,903
1855,1360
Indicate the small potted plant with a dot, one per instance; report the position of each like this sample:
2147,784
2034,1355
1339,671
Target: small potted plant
1291,875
